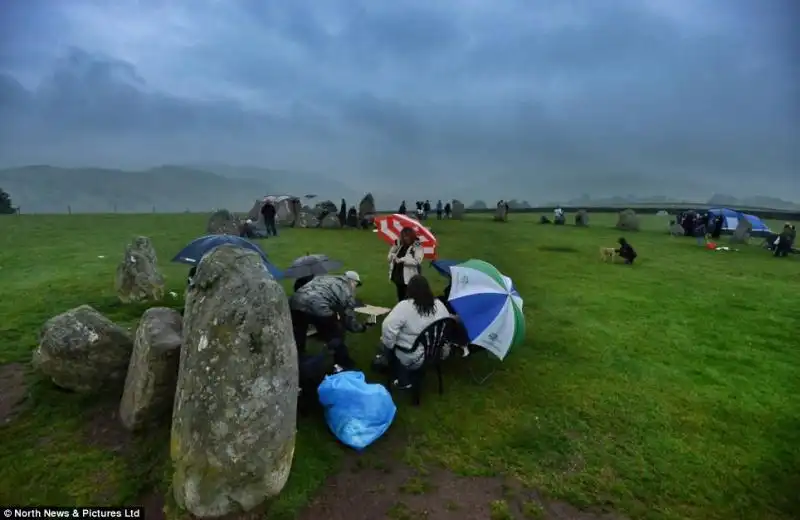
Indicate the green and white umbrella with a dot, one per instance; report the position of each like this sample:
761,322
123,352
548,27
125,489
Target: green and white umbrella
489,306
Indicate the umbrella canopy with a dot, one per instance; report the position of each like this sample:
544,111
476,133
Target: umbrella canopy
443,266
195,250
311,265
489,306
389,227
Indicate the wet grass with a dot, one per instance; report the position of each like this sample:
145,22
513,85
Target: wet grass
666,390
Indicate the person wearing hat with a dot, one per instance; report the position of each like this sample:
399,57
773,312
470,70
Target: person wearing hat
328,303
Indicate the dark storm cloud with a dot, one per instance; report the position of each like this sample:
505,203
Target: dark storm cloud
543,99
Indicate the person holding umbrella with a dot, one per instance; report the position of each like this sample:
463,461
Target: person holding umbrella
405,260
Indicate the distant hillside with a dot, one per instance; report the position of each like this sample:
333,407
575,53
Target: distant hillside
48,189
715,200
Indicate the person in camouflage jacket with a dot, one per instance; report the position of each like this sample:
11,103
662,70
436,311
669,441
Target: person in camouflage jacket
328,303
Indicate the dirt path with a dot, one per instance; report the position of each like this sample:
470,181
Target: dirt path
12,390
376,486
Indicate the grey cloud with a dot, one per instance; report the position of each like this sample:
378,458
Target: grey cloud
601,99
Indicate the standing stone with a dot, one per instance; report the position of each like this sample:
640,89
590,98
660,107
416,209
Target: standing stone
138,278
235,413
153,369
742,233
676,230
501,213
457,209
223,222
331,221
83,351
582,218
628,220
366,208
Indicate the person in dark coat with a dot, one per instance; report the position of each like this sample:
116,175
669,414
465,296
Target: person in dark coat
717,229
626,251
343,213
448,210
403,209
785,241
352,218
269,213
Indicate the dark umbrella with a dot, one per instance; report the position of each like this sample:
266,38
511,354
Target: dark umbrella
443,266
199,247
311,265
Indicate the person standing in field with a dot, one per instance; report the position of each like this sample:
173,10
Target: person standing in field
269,212
439,210
448,210
405,261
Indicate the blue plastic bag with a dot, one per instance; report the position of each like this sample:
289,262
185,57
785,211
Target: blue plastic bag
357,412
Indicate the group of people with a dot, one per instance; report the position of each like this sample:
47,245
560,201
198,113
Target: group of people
328,303
423,209
701,225
783,244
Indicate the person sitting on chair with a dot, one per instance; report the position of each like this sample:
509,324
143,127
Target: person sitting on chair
403,325
626,251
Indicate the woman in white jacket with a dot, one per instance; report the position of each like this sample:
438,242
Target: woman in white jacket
405,261
405,322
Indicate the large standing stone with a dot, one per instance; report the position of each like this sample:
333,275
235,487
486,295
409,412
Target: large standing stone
83,351
307,220
234,419
138,278
582,218
741,234
628,220
153,369
331,221
458,209
223,222
366,208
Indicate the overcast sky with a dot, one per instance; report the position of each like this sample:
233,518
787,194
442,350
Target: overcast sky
530,99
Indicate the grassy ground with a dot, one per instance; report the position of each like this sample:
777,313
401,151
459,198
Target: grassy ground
663,391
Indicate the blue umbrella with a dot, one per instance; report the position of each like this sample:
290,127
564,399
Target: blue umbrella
199,247
443,266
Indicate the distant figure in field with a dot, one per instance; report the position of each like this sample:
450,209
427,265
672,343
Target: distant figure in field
448,211
716,231
403,210
626,251
426,208
269,212
439,210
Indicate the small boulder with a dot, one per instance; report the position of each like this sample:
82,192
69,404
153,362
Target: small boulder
223,222
457,210
628,220
326,207
582,218
83,351
235,413
153,369
331,221
676,230
138,278
741,234
501,213
366,208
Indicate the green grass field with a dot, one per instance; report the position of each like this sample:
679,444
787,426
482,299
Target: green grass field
667,390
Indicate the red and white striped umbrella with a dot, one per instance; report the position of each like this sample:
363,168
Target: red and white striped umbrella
388,228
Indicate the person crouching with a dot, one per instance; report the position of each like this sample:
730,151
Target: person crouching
328,303
626,251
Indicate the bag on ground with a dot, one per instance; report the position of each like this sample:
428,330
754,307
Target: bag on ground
357,412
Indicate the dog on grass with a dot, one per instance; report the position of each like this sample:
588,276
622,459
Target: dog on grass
608,254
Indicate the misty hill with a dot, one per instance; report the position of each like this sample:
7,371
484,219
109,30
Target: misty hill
49,189
720,200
